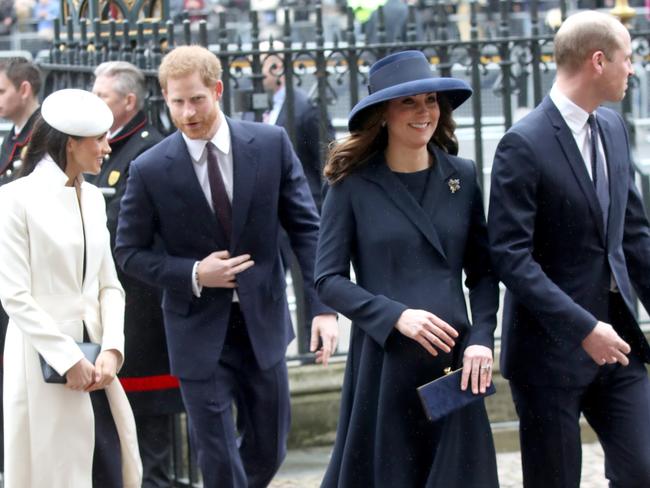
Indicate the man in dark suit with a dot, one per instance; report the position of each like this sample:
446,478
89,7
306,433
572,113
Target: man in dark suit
570,240
216,192
20,83
153,393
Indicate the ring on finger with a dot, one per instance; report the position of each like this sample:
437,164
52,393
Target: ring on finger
486,367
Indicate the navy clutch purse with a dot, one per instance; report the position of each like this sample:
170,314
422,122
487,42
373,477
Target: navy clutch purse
443,395
90,350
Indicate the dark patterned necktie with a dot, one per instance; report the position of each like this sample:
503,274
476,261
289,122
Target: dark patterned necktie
220,201
598,169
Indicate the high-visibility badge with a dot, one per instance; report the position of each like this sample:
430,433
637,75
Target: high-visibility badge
113,177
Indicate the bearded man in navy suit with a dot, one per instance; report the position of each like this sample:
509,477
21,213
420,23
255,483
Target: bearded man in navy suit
570,240
217,192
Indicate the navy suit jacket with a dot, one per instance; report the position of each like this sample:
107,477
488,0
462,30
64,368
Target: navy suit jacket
164,197
551,250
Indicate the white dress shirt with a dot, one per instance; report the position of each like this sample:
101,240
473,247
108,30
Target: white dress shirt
278,101
576,118
199,155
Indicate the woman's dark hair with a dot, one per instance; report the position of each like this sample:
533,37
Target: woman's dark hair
45,140
445,136
355,150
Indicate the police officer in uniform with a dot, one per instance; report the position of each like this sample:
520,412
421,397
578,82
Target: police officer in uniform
153,393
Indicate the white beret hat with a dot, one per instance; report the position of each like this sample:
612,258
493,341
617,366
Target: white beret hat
77,113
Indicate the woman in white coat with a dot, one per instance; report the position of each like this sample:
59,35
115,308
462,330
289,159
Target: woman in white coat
58,285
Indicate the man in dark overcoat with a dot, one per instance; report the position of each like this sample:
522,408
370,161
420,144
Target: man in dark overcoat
153,393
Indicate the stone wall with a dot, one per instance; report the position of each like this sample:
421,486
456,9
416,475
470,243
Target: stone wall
315,400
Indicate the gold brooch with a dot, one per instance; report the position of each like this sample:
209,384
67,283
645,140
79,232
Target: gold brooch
454,184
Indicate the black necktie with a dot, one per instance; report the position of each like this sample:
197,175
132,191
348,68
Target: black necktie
220,201
598,169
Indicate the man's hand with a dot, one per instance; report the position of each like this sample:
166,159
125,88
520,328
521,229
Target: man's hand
427,329
604,345
105,369
325,328
219,270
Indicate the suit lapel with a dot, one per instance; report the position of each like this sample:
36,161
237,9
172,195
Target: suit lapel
182,176
378,172
441,182
576,162
245,162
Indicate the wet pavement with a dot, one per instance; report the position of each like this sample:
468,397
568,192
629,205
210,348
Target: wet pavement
304,468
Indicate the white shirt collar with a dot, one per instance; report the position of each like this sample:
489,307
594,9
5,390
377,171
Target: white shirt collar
574,116
221,139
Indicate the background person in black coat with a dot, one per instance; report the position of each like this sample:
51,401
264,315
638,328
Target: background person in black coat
306,119
308,147
152,392
409,217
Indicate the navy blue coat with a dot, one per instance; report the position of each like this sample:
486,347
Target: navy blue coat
163,197
550,248
404,256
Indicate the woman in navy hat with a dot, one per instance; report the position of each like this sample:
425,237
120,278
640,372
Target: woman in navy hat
59,286
408,215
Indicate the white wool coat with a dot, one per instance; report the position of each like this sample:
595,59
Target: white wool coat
49,429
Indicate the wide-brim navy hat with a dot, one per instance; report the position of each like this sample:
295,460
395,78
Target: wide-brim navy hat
404,74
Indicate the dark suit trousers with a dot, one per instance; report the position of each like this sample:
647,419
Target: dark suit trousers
155,440
617,406
250,453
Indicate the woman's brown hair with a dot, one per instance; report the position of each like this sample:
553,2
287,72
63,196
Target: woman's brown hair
354,151
45,140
